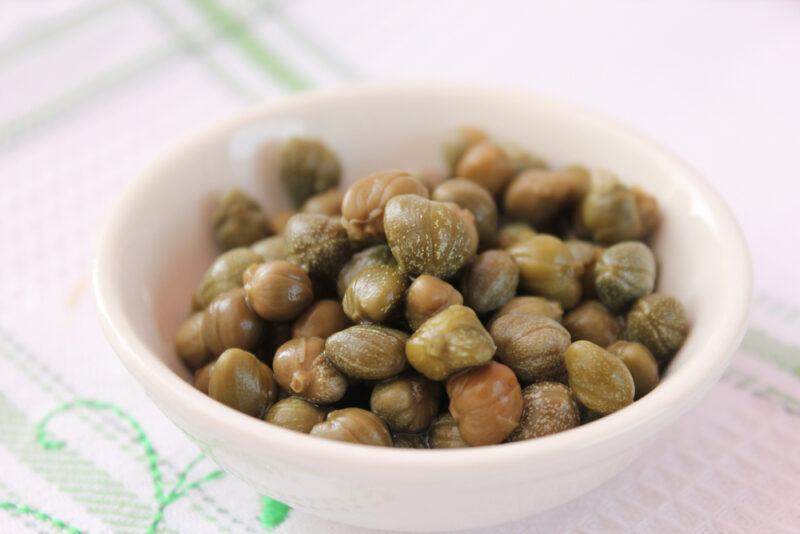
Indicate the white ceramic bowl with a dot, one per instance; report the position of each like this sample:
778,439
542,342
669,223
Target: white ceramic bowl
157,244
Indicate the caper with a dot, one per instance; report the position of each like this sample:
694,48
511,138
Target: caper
321,319
599,379
649,213
640,362
278,220
427,236
537,196
547,269
278,290
522,159
456,145
202,377
585,253
624,273
486,403
302,368
270,248
410,441
375,294
189,344
548,408
532,345
407,403
444,434
490,281
531,306
426,297
369,352
486,164
450,341
376,255
610,212
229,322
365,201
317,243
354,425
593,322
511,234
658,322
474,198
295,414
326,203
238,220
242,382
224,274
307,167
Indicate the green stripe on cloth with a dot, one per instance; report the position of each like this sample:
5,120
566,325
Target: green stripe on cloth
770,349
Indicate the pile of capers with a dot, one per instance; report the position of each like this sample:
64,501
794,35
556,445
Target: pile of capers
502,301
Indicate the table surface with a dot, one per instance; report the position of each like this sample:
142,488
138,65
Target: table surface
92,90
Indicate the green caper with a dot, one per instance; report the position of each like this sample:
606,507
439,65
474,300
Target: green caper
189,344
531,306
444,434
486,164
548,408
202,377
277,290
610,212
532,345
326,203
318,243
599,379
547,269
593,322
426,297
450,341
295,414
307,167
457,144
624,273
537,196
229,323
302,369
224,274
522,159
369,352
238,220
410,441
375,294
585,253
322,319
658,322
270,248
242,382
354,425
640,362
477,200
490,281
511,234
375,255
407,403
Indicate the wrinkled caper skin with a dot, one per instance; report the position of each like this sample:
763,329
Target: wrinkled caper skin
477,200
511,234
317,243
640,362
490,281
538,196
307,167
452,340
202,377
624,273
457,144
444,434
368,352
189,344
599,379
242,382
238,220
531,306
375,255
406,403
354,425
610,212
586,254
224,274
428,237
410,441
229,323
658,322
548,408
322,319
375,294
486,403
365,202
427,296
270,248
593,322
278,290
295,414
326,203
547,269
301,368
532,345
486,164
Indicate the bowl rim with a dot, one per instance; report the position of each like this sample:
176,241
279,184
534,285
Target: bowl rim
687,383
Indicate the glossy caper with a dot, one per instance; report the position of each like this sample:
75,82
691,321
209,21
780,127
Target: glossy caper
457,144
321,319
490,281
229,322
295,414
593,322
189,344
368,352
427,296
354,425
326,203
476,200
511,234
547,269
624,273
202,377
640,362
531,306
270,248
658,322
599,379
242,382
532,345
225,273
406,403
375,294
238,220
548,408
537,196
301,368
307,167
486,164
318,243
278,290
444,434
375,255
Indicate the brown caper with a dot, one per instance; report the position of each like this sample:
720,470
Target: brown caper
593,322
242,382
295,414
658,322
547,269
407,403
375,294
474,198
450,341
278,220
585,253
486,164
410,441
224,274
624,273
302,368
610,212
278,290
326,203
229,322
649,213
531,306
376,255
426,297
511,234
189,344
444,434
490,281
599,379
270,248
456,145
532,345
318,243
307,167
548,408
486,403
365,201
202,377
369,352
321,319
354,425
238,220
429,237
537,196
640,362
